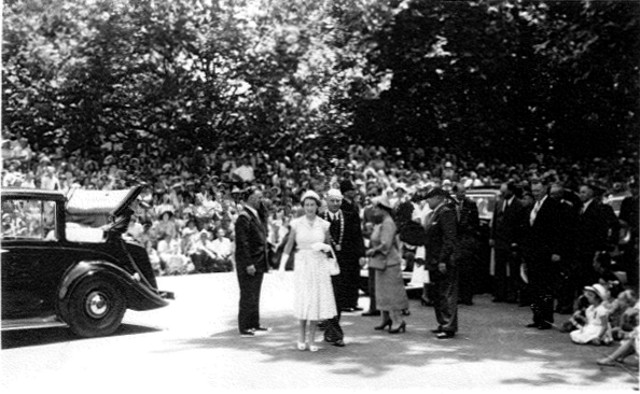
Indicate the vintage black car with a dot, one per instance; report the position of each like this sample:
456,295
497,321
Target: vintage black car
58,269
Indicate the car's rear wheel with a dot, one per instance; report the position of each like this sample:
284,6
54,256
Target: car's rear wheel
96,308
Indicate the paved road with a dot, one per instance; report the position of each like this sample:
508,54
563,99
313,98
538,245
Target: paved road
193,346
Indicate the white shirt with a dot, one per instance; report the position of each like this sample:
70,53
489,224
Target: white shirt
536,208
220,246
586,205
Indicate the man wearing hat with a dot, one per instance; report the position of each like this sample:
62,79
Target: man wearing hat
251,261
348,191
442,251
348,244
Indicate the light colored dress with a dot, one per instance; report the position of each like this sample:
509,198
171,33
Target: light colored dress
592,329
390,292
313,292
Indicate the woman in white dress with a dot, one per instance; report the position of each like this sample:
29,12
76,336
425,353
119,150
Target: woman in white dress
313,292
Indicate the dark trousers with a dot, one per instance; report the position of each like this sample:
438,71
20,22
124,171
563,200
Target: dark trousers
567,289
445,300
505,287
372,290
542,282
466,279
345,288
333,332
249,307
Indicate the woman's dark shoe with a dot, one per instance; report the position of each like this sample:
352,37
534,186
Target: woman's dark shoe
402,327
383,325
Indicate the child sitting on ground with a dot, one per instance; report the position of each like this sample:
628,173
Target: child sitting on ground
597,330
624,317
579,317
628,346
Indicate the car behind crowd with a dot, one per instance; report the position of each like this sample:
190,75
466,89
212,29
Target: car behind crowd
59,267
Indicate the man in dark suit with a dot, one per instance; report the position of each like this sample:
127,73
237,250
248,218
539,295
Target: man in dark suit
442,250
630,220
596,227
348,244
507,229
567,289
542,246
251,261
349,204
468,245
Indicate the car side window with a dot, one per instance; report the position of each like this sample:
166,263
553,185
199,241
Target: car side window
29,219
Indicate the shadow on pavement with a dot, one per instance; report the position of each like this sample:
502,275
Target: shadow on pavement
489,333
45,336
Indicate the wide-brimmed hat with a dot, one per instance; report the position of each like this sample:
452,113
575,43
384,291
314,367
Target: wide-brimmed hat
382,200
597,288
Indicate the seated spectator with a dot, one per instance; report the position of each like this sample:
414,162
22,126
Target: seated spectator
172,260
222,249
597,329
211,256
579,317
606,276
624,317
166,225
628,346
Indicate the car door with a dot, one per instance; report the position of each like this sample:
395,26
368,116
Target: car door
32,262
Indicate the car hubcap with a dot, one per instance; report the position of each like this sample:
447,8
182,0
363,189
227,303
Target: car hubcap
96,304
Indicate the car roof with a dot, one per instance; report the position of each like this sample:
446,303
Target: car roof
33,193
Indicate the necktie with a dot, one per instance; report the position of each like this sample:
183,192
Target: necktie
534,213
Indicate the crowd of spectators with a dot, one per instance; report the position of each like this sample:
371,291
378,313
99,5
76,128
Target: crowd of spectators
191,198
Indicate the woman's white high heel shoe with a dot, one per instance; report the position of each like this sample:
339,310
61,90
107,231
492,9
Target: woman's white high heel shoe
302,346
313,348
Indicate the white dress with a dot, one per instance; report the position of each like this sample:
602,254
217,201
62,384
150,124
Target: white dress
313,292
592,329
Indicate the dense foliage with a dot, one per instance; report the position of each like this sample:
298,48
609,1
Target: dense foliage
482,76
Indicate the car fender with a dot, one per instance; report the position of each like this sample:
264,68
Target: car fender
138,296
85,269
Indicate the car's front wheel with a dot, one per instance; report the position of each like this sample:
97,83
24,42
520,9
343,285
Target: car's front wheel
96,307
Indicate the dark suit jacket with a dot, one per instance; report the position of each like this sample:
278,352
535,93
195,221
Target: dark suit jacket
629,213
508,226
545,237
468,231
441,238
593,228
348,206
251,243
352,247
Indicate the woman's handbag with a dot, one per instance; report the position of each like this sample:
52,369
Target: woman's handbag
378,262
334,268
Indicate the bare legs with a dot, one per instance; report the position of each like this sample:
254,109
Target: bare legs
302,336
